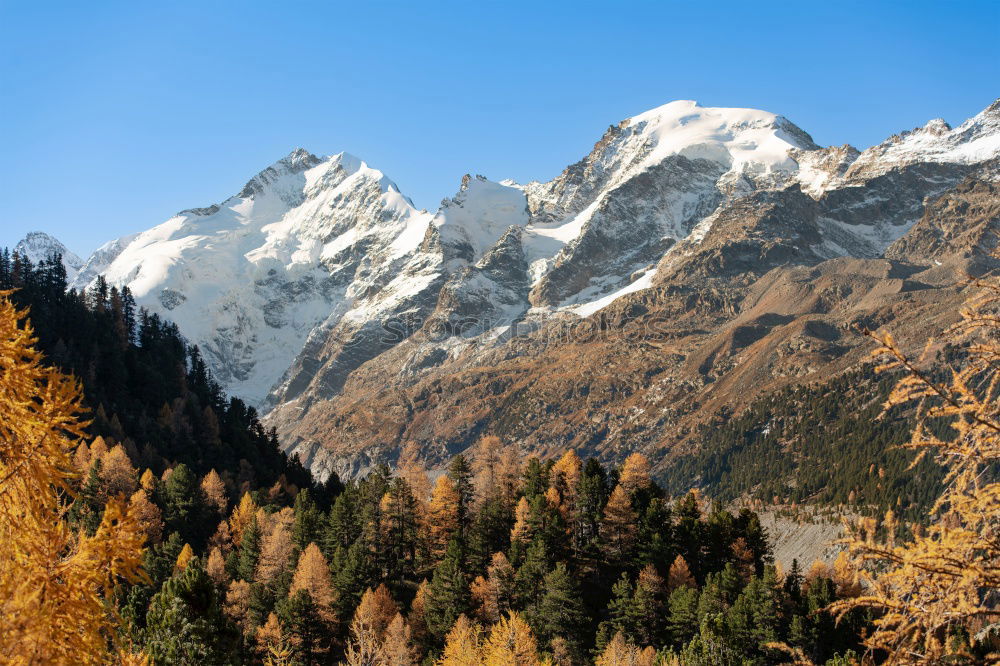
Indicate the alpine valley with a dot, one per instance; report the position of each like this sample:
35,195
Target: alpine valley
695,262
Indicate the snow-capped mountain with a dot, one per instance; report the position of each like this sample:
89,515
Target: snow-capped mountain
38,245
249,278
680,195
321,268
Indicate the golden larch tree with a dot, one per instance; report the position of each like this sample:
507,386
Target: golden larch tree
397,646
945,580
417,617
55,583
183,558
148,481
270,638
484,601
620,652
743,558
442,516
618,529
679,574
485,464
521,532
555,500
149,516
242,515
564,477
635,473
313,575
215,492
117,472
81,458
222,539
510,643
275,552
461,647
371,619
237,603
98,449
215,567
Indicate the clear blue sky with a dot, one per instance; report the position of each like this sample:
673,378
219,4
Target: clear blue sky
115,115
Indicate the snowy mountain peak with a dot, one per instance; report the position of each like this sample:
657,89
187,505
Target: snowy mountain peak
976,140
249,278
295,162
477,217
936,126
730,136
38,245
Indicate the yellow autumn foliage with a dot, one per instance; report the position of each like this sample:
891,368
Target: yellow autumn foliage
509,642
242,515
55,583
947,577
183,558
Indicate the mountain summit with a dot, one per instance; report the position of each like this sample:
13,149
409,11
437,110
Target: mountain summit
38,245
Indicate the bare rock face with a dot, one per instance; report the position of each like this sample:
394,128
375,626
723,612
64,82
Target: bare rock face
964,222
695,257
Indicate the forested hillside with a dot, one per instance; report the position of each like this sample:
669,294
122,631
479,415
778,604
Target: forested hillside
247,561
829,443
146,388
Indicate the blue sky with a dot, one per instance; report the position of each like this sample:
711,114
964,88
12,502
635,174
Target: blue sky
115,115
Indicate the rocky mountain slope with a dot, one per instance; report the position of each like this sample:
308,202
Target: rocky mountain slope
694,257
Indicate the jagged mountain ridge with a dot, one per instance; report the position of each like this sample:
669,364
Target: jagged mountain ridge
320,275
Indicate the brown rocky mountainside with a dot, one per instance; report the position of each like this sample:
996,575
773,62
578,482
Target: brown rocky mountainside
746,311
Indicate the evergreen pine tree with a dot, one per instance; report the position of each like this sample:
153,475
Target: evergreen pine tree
753,619
352,575
249,552
560,612
682,621
645,617
460,474
530,576
308,520
87,506
536,478
308,634
400,532
591,495
656,539
618,529
184,505
342,527
449,592
617,611
185,623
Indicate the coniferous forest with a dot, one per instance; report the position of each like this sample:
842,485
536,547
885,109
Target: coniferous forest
247,559
195,540
832,437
